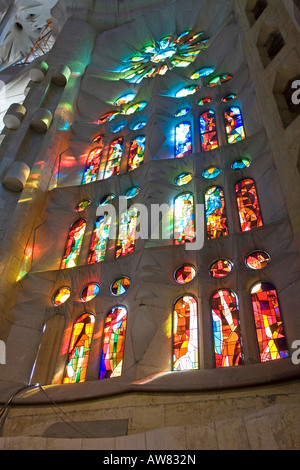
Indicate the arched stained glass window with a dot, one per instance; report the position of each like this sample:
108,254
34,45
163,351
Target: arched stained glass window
99,239
185,334
92,165
184,219
248,205
234,125
126,238
227,341
183,139
111,361
208,131
114,157
79,349
269,328
73,245
216,222
136,152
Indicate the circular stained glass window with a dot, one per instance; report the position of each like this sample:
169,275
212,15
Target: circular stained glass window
211,173
184,178
89,292
82,205
185,274
61,296
241,164
220,268
257,260
107,199
132,192
120,286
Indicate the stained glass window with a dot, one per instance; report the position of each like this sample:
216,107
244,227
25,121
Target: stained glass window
111,362
99,239
138,125
61,296
257,259
82,205
184,219
125,99
186,91
89,292
79,349
220,268
183,179
120,286
227,341
73,245
204,72
204,101
185,274
185,334
136,107
107,199
107,117
230,97
182,112
216,81
234,125
216,222
118,127
269,328
132,192
183,139
248,205
208,131
241,164
114,157
211,173
127,228
92,165
136,152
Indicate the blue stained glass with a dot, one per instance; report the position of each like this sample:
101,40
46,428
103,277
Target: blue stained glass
183,139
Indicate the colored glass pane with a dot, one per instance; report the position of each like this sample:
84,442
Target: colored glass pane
120,286
220,268
111,362
211,173
73,245
204,101
219,80
100,235
241,164
61,296
257,260
114,158
269,328
183,179
186,91
136,152
89,292
216,223
226,328
119,127
79,349
234,125
182,112
132,192
107,117
209,139
204,72
136,107
124,99
82,205
227,98
183,139
139,125
184,219
127,227
185,274
185,334
92,165
98,138
248,205
107,199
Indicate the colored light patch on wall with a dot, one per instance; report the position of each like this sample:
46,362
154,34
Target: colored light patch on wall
136,153
211,173
79,349
269,327
185,334
208,131
111,362
183,179
114,158
183,139
227,341
92,165
216,222
234,125
185,274
248,205
99,241
127,228
257,260
184,219
82,205
220,268
120,286
89,292
73,245
61,296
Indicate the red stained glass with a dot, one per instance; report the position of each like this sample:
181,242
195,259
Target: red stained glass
209,139
73,245
185,274
257,260
185,334
61,296
114,158
220,268
92,165
136,153
216,221
111,363
248,205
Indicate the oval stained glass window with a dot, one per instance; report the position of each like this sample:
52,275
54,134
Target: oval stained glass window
61,296
107,117
219,80
228,98
211,173
182,112
120,286
107,199
257,259
136,107
138,125
204,72
220,268
241,164
89,292
204,101
118,127
183,179
189,90
82,205
125,99
132,192
185,274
